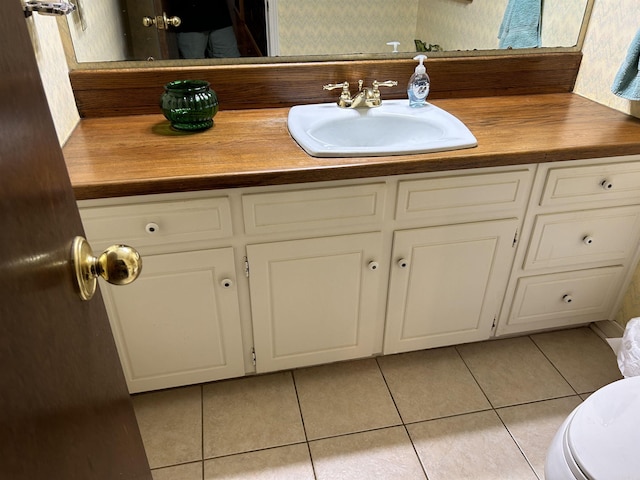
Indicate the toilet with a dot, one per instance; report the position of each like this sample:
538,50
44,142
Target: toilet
600,439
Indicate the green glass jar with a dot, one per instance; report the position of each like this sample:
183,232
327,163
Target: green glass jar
189,104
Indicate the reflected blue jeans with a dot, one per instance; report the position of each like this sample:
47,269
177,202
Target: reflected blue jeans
212,44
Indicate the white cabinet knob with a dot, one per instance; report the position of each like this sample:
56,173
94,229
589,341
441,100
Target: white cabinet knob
587,240
373,266
607,184
402,263
152,228
567,298
226,283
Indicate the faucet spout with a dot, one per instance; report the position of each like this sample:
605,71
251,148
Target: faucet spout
365,98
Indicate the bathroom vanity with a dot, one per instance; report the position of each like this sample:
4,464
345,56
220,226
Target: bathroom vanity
258,257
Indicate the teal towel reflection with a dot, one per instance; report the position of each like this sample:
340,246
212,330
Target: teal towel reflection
520,26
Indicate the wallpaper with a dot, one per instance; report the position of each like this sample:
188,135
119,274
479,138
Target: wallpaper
54,73
612,27
102,37
556,31
309,27
460,24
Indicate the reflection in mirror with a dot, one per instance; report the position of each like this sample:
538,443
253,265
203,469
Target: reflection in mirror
112,30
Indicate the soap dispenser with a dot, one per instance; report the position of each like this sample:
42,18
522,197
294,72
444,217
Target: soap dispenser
418,87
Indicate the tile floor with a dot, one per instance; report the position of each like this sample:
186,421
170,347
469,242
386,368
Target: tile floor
476,411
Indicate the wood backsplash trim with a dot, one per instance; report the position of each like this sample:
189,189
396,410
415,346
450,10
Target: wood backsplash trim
114,92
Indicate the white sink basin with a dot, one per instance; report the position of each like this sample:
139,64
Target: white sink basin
394,128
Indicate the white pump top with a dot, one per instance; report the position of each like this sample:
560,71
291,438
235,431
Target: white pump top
420,69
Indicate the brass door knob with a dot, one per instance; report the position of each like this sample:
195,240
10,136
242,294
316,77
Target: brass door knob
162,22
118,264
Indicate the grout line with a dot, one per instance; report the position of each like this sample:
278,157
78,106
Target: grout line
304,427
202,427
526,459
474,377
404,425
552,364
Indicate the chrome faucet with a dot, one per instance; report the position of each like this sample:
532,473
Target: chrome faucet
365,98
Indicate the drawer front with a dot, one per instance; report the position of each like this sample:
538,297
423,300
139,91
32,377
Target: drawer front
158,223
570,185
313,208
584,237
584,296
451,196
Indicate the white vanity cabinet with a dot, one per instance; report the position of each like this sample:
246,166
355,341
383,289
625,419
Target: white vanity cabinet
178,323
315,300
448,279
447,284
582,234
296,275
316,297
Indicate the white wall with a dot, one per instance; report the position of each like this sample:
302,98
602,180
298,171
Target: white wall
613,25
54,73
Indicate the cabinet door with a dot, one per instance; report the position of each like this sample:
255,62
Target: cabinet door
315,300
447,284
179,322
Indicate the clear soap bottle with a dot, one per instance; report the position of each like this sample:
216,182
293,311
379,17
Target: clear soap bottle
418,87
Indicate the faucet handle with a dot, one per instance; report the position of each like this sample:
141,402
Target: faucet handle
387,83
333,86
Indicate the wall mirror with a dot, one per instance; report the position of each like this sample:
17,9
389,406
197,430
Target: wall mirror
111,33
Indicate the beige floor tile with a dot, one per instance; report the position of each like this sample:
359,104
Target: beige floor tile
513,371
344,397
291,462
250,413
378,454
431,384
170,423
583,358
534,425
189,471
475,446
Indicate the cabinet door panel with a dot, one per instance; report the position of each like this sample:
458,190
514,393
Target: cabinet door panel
314,300
452,285
177,324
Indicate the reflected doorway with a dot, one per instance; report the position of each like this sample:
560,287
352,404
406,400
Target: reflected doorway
158,40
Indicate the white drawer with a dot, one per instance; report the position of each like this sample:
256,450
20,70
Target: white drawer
313,208
471,194
570,185
584,237
158,223
580,296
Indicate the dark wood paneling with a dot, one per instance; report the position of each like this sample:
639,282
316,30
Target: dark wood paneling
137,91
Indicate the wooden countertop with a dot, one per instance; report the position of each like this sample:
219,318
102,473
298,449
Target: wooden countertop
141,154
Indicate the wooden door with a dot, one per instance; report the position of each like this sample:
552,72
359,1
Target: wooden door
65,412
150,43
250,25
446,284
